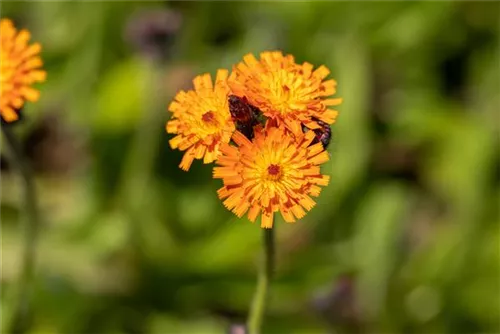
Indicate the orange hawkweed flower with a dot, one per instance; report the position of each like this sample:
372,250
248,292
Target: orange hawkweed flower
273,172
286,92
19,69
201,119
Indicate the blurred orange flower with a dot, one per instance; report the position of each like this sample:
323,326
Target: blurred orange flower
274,172
201,119
19,69
286,92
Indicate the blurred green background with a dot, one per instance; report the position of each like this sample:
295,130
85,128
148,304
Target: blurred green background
405,239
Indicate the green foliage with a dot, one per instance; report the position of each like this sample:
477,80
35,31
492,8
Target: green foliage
132,244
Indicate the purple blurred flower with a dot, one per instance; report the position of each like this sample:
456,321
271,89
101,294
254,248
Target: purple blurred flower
339,306
152,31
237,329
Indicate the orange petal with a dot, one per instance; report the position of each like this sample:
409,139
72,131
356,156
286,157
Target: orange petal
9,115
321,72
332,102
30,94
267,219
253,213
31,50
187,160
221,75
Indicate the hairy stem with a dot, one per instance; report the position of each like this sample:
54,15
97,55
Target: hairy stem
258,307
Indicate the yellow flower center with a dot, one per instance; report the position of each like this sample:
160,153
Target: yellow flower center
210,125
208,117
284,92
273,172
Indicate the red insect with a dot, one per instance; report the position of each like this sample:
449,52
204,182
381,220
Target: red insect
244,115
323,135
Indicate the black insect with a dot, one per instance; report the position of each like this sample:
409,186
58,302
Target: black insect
244,115
323,135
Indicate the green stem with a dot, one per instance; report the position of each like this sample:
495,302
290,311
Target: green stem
266,268
21,311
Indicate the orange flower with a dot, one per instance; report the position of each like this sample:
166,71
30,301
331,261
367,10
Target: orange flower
201,119
20,68
286,92
274,172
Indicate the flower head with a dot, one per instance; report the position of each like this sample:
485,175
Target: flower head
273,172
19,69
201,119
286,92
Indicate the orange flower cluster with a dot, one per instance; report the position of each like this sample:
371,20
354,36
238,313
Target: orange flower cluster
19,69
201,119
266,125
274,172
286,92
